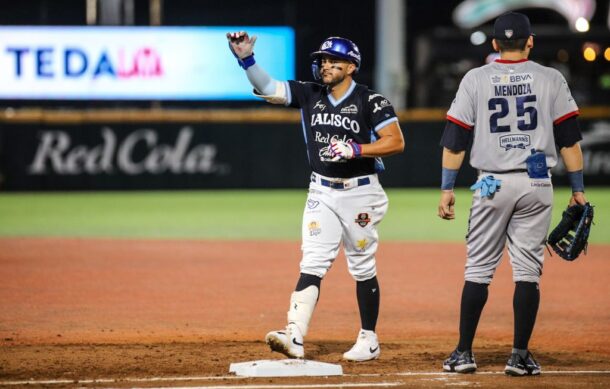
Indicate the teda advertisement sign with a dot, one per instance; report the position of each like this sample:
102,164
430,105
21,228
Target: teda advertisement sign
134,63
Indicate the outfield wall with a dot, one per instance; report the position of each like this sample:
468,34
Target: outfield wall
241,149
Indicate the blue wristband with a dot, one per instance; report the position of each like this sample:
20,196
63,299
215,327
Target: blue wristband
576,181
448,178
246,62
357,149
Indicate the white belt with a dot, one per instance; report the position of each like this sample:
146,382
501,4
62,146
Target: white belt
343,183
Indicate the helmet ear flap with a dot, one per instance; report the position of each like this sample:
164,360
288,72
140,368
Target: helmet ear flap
315,68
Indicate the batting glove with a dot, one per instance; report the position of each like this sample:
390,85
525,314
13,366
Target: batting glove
242,47
344,150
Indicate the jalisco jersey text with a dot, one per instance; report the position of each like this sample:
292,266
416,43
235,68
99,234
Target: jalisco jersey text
512,107
356,117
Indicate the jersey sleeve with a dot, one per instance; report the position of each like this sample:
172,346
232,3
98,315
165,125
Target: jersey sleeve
564,106
380,110
462,110
298,93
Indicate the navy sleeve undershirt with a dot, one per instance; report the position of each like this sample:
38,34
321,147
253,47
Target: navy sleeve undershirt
456,137
567,133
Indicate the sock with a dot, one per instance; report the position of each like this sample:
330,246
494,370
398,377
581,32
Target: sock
525,306
306,280
522,353
474,297
367,293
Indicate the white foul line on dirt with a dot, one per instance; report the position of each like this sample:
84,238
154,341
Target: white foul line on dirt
431,373
232,377
338,385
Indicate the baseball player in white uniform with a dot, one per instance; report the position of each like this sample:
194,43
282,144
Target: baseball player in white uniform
347,128
517,114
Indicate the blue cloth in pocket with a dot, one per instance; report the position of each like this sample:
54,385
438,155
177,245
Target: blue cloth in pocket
536,165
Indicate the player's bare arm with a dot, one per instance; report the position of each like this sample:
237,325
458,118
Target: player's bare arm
390,142
572,158
452,160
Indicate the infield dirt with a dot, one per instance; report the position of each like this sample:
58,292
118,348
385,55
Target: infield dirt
79,309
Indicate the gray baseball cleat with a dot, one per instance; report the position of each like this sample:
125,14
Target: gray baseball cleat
460,362
518,367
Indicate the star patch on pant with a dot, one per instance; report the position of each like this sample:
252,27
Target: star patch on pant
361,244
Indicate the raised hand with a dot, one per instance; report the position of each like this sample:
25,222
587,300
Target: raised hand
241,44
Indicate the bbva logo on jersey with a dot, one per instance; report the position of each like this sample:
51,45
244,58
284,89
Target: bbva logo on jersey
511,78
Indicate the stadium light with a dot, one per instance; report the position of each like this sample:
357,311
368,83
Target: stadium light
477,38
589,54
581,25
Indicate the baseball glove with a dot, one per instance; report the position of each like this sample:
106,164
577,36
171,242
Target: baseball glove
571,235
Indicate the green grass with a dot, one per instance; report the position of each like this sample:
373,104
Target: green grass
258,214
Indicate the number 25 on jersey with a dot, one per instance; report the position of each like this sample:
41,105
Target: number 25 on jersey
527,114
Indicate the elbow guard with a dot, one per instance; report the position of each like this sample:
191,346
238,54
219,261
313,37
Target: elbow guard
278,97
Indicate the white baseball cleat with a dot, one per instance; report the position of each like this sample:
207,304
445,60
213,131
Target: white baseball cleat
365,349
288,342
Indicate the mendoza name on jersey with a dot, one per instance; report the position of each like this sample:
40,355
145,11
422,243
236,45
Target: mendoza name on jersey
335,120
512,84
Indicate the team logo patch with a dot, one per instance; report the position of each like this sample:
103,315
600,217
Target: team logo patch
320,106
350,109
363,219
382,105
361,244
311,204
314,228
508,33
509,142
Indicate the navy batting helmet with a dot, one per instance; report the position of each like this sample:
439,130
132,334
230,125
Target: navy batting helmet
336,47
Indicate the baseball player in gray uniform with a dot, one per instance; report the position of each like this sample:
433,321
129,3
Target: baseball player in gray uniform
517,114
347,128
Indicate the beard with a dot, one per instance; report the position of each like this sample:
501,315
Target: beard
333,79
